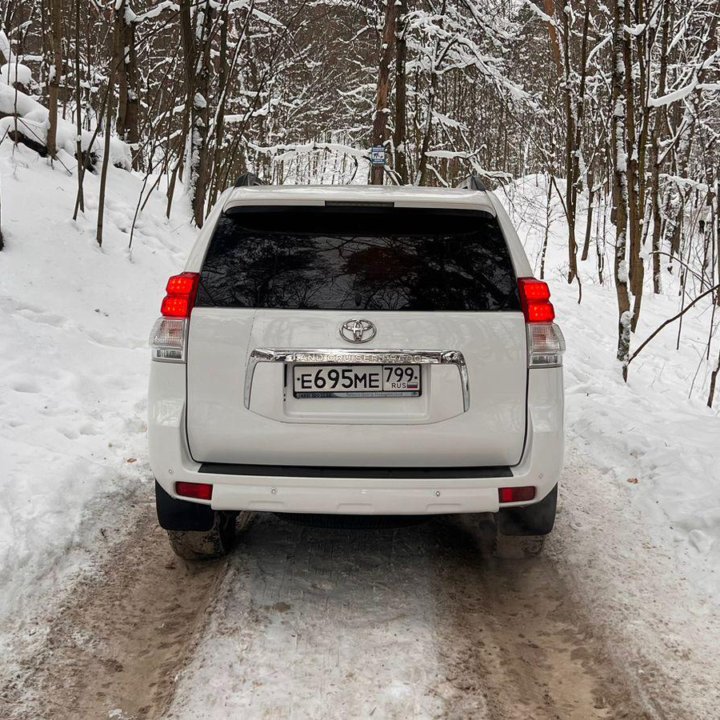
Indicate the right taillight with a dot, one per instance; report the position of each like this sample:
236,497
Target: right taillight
168,336
535,301
546,343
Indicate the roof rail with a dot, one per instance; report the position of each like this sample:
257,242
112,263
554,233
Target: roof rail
472,182
248,180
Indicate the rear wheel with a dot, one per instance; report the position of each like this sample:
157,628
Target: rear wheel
205,544
195,530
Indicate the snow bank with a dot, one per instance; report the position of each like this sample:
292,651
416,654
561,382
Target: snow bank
13,101
15,73
74,321
659,447
33,124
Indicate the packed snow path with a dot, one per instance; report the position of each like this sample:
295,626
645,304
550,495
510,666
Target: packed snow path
419,621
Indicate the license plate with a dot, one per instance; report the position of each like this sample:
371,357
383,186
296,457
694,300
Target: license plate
326,381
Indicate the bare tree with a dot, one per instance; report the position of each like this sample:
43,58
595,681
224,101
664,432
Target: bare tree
382,104
56,68
619,188
127,125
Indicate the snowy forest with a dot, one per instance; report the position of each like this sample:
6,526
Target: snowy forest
123,123
616,104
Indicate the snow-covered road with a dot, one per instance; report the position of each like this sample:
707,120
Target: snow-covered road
417,621
99,620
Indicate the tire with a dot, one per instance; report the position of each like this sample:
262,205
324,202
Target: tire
205,544
537,519
195,530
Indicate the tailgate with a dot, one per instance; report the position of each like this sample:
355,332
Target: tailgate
280,287
429,430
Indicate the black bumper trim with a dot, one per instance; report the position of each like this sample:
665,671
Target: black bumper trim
384,473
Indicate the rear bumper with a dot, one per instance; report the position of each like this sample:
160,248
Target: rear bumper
357,491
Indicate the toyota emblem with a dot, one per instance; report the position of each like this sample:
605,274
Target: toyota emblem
358,331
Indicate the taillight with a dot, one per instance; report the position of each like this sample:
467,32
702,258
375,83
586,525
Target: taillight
546,343
168,336
167,339
181,293
535,301
199,491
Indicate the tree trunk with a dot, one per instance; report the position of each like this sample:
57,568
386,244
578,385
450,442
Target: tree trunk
196,46
201,110
573,136
421,178
400,139
55,48
588,224
634,173
106,153
379,129
656,138
80,204
619,187
552,32
713,381
127,78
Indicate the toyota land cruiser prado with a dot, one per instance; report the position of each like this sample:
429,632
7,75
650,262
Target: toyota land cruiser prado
354,350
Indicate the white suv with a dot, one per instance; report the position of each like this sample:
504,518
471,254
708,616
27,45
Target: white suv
354,350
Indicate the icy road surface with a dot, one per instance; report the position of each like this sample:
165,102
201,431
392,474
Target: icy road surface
420,621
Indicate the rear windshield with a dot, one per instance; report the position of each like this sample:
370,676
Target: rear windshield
351,258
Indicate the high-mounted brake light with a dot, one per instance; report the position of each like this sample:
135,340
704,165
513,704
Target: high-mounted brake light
535,301
199,491
181,293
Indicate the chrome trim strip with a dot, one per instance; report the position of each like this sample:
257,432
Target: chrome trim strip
371,357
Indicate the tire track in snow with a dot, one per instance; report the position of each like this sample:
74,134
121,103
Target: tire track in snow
416,622
118,640
304,622
510,633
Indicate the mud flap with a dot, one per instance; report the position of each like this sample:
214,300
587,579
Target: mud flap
180,514
537,519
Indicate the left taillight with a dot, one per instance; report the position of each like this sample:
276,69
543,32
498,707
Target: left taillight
181,292
169,334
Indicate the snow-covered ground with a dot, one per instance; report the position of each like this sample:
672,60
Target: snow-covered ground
631,566
639,528
74,321
654,438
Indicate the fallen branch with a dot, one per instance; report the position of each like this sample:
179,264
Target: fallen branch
663,325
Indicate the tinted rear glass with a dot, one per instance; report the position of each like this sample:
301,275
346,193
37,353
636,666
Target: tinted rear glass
350,258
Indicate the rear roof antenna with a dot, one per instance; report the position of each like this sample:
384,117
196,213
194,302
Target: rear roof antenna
248,180
473,182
